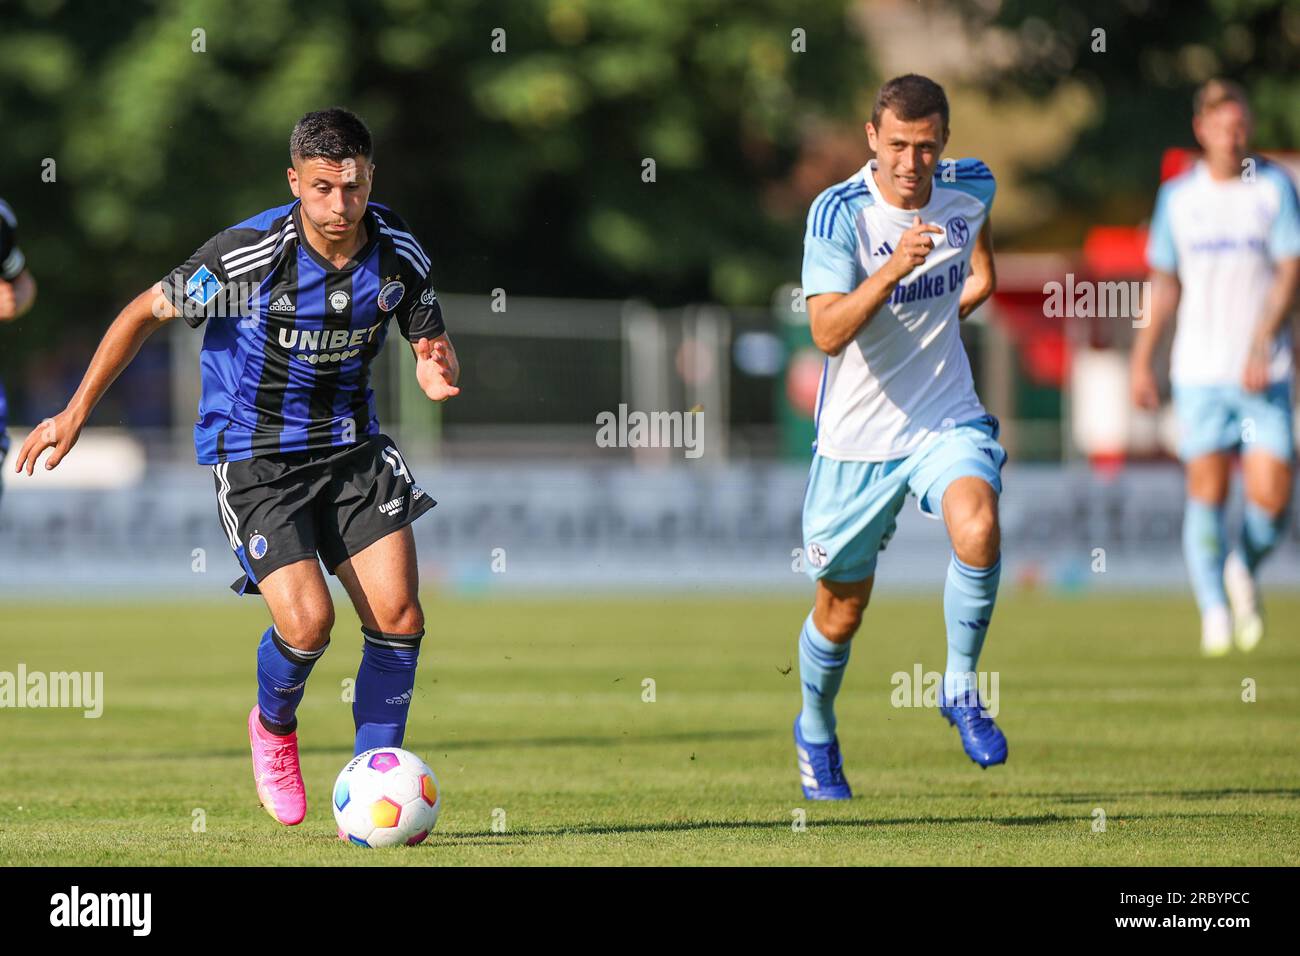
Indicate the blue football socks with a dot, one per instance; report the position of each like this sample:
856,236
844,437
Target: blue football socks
282,673
385,683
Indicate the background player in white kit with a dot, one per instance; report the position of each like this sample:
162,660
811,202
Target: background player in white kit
1224,251
893,258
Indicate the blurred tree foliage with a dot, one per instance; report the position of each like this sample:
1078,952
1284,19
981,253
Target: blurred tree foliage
1156,53
519,169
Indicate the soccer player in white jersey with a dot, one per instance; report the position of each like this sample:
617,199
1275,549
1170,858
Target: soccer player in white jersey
1224,252
894,257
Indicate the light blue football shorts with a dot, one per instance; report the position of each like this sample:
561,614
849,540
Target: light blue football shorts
1229,418
850,507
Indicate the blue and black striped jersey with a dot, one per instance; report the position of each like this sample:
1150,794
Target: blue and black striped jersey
12,262
286,355
12,265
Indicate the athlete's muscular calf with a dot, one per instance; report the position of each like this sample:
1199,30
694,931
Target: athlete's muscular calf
838,607
970,513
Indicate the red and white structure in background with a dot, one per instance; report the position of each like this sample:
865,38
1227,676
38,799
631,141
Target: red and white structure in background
1087,356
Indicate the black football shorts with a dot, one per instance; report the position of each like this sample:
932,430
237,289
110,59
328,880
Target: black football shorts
331,502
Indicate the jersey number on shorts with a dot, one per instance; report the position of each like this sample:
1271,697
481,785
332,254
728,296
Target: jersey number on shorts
394,459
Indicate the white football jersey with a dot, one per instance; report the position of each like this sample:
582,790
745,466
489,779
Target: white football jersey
905,375
1223,240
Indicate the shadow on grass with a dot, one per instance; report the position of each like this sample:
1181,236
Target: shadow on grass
478,837
530,743
481,744
1220,793
697,826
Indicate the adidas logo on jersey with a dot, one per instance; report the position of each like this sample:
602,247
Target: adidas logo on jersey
884,250
282,304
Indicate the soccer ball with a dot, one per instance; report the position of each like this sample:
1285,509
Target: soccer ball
386,797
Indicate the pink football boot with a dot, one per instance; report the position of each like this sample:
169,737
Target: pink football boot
276,772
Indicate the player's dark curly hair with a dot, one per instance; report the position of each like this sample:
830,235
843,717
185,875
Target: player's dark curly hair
335,133
910,97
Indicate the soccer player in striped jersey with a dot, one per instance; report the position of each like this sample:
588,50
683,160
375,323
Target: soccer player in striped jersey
1224,252
894,257
17,293
297,302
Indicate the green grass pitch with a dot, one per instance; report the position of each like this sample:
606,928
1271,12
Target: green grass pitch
531,714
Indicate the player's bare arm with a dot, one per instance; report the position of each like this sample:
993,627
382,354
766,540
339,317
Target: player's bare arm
17,297
1165,292
983,278
1277,308
144,315
836,317
436,367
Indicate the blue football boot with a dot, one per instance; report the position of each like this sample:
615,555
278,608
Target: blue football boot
821,769
980,737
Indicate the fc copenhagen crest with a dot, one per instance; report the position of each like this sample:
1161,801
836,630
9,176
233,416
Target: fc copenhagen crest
390,295
257,546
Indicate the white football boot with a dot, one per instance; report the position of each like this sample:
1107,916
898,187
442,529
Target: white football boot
1216,632
1243,595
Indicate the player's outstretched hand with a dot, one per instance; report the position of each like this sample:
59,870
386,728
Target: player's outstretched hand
60,433
435,369
8,301
913,246
1257,367
1143,387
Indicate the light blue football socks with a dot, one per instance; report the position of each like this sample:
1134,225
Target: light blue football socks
1260,533
821,669
968,599
1204,550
